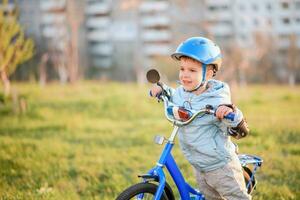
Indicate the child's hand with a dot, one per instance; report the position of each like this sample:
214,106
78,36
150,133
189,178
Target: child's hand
155,90
222,111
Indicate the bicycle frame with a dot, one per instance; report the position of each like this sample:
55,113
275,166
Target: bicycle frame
184,189
166,159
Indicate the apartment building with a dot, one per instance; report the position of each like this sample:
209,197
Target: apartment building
98,22
238,20
53,24
121,36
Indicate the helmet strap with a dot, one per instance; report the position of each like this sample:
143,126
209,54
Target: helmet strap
202,83
203,73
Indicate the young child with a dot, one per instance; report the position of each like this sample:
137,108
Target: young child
205,142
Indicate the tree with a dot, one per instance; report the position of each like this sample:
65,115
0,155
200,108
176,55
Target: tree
236,64
264,56
75,18
293,60
14,47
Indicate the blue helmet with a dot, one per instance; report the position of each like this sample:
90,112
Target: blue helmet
200,49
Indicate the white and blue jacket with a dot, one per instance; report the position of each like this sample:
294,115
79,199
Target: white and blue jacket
205,142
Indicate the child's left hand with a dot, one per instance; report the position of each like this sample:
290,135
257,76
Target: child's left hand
222,111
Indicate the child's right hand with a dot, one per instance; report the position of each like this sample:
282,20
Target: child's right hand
155,91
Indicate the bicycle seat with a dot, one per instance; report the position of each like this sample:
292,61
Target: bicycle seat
246,159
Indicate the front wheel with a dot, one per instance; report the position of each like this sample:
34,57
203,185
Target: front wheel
145,190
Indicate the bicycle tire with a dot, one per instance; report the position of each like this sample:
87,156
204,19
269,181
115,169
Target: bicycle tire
146,188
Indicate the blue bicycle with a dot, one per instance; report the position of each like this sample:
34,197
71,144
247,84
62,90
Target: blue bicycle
153,184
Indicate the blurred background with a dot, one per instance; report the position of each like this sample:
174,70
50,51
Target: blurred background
119,40
76,121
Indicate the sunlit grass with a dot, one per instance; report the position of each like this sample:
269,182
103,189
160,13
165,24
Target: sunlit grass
90,140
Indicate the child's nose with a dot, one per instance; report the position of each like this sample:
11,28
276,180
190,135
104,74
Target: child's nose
185,74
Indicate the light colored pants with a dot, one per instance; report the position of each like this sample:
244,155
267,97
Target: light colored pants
224,183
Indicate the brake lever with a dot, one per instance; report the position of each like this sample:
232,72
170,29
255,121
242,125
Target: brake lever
164,91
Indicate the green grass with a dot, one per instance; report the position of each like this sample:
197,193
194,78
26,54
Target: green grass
89,141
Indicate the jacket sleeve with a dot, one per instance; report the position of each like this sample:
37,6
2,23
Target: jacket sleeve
238,128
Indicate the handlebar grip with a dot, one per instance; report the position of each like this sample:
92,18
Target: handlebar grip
230,116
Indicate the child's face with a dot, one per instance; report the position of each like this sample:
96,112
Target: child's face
190,73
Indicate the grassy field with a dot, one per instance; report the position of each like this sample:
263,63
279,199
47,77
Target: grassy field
89,141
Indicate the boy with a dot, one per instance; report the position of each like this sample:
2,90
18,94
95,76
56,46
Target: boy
205,142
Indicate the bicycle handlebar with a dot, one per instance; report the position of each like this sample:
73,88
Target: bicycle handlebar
207,110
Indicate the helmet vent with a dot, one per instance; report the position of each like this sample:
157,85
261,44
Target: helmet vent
199,43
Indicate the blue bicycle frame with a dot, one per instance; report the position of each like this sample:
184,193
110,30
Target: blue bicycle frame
157,173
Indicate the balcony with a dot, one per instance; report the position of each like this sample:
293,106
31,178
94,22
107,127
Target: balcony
220,29
157,49
154,6
283,43
283,29
98,9
101,49
53,5
99,35
53,18
156,35
104,62
155,21
218,2
98,22
54,32
219,16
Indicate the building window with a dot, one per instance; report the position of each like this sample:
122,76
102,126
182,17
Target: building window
255,7
269,6
212,8
297,5
283,36
243,37
298,20
225,7
242,22
218,7
285,5
255,22
225,22
242,7
286,20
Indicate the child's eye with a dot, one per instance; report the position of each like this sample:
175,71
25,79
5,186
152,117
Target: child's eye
192,70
